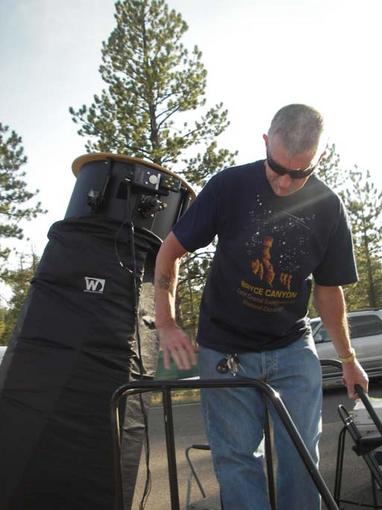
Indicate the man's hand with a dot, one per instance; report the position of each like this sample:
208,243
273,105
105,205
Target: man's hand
353,374
330,303
175,344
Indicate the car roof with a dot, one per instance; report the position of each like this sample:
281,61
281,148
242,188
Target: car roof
354,313
365,312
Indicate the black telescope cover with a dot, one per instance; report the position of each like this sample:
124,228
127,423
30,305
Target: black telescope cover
69,352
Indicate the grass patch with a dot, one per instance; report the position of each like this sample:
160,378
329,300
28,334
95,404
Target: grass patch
177,397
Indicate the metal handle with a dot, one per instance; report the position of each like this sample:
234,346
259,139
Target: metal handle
166,387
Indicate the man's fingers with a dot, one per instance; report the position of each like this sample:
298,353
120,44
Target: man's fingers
352,392
190,352
181,355
364,386
183,361
352,375
178,354
166,358
179,348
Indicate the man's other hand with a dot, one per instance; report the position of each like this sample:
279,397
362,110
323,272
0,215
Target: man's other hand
175,344
353,374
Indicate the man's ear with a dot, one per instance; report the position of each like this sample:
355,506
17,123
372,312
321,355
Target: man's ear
266,140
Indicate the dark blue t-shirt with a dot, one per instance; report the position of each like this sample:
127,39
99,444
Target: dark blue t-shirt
269,247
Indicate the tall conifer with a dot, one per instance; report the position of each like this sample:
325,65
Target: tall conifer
153,105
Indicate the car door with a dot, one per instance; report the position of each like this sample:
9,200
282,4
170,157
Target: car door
325,350
324,345
366,337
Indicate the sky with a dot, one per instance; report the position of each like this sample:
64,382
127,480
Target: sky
260,55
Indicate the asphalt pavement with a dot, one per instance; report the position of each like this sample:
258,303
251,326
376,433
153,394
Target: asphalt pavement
189,430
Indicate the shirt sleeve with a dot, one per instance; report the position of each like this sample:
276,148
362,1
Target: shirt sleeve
338,266
199,224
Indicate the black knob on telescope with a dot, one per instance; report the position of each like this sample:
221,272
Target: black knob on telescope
149,205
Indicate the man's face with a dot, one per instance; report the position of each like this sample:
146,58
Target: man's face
284,185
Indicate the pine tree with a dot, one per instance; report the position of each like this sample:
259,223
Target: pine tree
14,195
154,87
364,204
19,281
331,171
333,174
3,312
357,295
193,274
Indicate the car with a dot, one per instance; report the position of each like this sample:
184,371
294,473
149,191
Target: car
366,336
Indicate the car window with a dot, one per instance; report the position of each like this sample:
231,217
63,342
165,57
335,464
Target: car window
321,335
314,322
2,352
365,325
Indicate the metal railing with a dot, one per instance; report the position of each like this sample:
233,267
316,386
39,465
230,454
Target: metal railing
166,387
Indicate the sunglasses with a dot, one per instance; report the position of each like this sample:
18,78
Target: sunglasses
293,174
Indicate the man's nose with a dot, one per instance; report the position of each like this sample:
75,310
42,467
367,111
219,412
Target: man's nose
285,181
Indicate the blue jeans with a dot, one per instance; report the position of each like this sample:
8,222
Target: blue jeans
234,420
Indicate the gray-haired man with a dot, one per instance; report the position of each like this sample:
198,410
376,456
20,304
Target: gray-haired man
279,227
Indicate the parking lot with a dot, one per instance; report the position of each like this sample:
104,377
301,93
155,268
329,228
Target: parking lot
189,430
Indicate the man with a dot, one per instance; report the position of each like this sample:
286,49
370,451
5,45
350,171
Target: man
278,227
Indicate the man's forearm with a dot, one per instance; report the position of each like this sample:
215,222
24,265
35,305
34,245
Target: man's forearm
166,279
330,303
331,306
174,342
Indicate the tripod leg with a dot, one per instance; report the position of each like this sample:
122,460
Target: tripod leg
269,458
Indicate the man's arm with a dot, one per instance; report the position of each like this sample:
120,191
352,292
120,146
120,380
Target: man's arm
173,340
330,304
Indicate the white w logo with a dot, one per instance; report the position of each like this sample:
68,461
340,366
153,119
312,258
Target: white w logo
95,285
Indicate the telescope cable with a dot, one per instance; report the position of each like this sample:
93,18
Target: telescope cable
133,271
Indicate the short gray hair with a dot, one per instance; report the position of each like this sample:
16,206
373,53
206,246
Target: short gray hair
299,127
